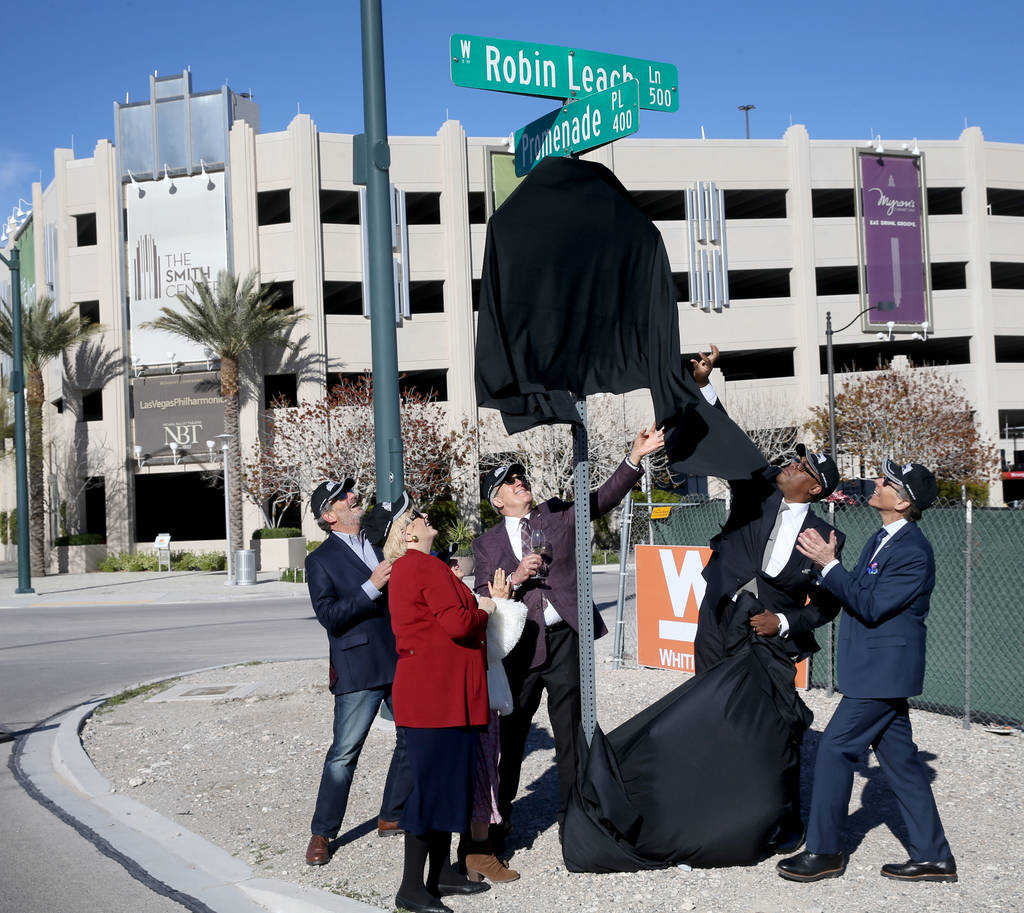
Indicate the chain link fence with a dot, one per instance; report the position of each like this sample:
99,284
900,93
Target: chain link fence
975,638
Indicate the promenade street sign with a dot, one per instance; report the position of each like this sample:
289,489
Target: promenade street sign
585,123
551,71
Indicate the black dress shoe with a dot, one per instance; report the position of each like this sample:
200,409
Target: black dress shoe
812,866
434,906
462,887
943,870
787,841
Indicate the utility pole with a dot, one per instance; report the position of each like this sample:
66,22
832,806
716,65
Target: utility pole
746,109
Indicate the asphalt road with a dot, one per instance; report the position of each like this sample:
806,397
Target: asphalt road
54,657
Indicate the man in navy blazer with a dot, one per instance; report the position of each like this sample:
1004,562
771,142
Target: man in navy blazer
547,654
881,664
346,576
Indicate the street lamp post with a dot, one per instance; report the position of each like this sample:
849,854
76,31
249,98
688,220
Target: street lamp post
224,438
746,109
18,389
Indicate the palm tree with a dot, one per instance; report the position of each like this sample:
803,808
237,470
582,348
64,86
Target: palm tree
230,317
45,334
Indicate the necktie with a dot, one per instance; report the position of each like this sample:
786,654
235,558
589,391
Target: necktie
767,556
525,530
879,539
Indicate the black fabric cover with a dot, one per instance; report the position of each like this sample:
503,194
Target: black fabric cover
577,295
699,777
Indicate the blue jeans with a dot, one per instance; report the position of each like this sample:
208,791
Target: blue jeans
353,715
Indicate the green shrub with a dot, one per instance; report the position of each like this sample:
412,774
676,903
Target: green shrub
277,532
950,491
204,561
488,515
443,514
293,574
79,539
126,561
4,517
312,544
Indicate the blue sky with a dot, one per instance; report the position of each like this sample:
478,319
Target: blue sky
903,70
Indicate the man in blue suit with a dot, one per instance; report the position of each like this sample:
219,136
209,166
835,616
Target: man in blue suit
346,576
881,664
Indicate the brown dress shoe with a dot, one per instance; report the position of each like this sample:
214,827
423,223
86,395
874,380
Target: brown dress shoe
387,828
318,852
489,866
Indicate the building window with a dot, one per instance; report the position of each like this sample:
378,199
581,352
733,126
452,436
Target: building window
835,280
754,364
682,284
476,295
273,207
1007,275
343,299
946,276
422,208
833,204
873,354
92,405
1002,202
758,283
477,207
280,391
58,404
426,297
1010,349
339,207
286,297
755,204
661,205
85,229
89,311
426,383
945,201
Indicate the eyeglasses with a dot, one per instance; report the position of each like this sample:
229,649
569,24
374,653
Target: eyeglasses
416,515
516,477
803,467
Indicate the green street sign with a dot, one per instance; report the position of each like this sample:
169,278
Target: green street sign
585,123
556,72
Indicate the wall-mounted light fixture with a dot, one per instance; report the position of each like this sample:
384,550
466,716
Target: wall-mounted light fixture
173,188
209,354
178,453
172,358
140,457
137,367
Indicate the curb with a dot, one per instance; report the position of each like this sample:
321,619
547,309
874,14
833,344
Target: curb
165,856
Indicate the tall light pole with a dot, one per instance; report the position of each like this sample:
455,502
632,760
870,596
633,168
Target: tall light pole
829,332
224,438
13,263
746,109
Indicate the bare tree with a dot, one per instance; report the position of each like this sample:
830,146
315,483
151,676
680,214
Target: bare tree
922,414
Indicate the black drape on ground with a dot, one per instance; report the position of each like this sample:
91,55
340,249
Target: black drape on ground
577,295
698,777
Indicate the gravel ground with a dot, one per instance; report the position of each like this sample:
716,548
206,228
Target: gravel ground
243,774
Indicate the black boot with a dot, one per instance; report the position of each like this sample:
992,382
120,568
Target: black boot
412,893
442,879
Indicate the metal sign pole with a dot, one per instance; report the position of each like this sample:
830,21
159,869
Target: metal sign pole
584,582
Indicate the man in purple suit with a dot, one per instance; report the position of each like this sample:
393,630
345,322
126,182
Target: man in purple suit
547,655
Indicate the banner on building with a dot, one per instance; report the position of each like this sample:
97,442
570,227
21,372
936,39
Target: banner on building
183,409
892,218
177,235
669,590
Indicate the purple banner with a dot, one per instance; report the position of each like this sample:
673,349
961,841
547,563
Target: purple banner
893,232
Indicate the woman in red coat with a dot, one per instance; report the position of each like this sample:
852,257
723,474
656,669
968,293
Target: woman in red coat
440,699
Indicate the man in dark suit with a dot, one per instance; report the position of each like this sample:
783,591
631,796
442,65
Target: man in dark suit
547,655
881,664
346,576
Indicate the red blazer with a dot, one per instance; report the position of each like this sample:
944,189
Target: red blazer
441,676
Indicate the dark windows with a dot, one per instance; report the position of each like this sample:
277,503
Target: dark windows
280,391
1007,275
477,207
682,284
89,311
1003,202
92,406
755,364
426,297
945,201
85,229
755,204
833,204
836,280
946,276
339,207
273,207
758,283
286,297
422,208
661,205
425,383
1010,348
874,353
343,299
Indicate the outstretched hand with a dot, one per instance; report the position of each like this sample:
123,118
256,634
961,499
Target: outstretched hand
646,442
703,365
810,544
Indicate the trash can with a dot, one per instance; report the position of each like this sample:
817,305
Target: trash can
245,567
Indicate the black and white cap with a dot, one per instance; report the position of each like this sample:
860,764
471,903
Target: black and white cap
328,492
823,466
918,481
497,475
378,522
